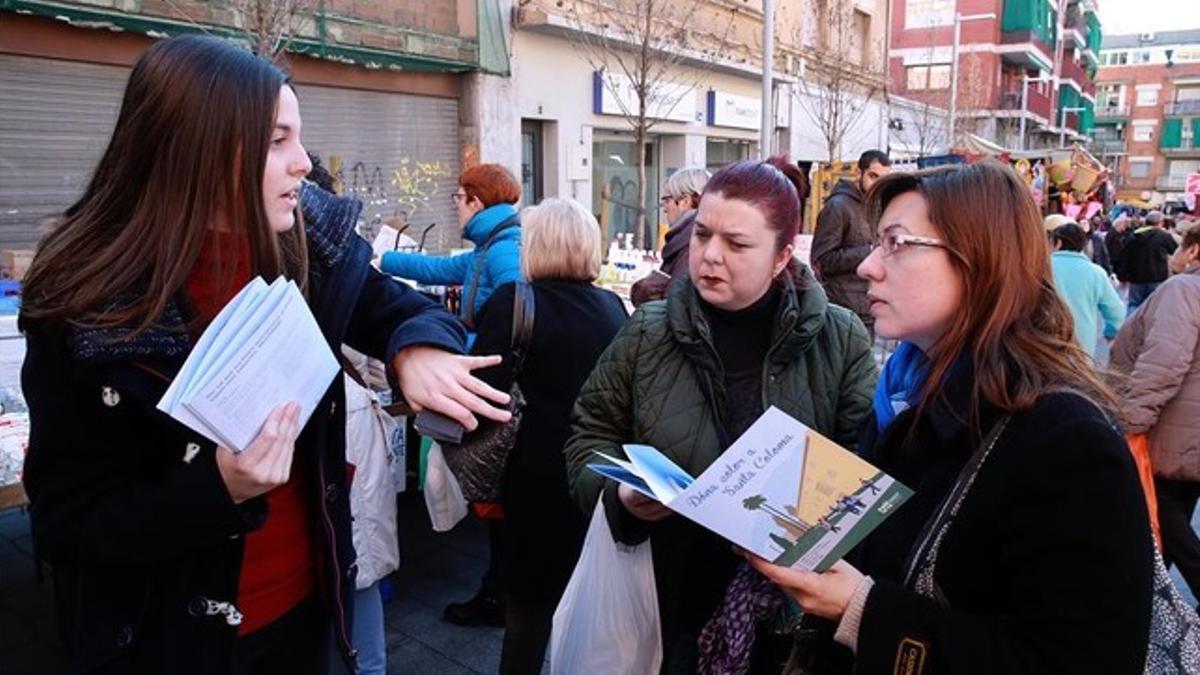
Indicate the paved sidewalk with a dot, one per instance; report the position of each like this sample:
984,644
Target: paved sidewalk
436,569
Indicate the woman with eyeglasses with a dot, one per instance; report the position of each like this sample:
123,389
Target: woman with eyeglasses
747,328
486,202
1026,547
680,199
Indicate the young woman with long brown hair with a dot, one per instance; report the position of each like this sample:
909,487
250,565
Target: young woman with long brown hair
1042,559
171,554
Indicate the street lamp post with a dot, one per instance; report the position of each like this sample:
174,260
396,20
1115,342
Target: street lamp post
958,22
1062,126
1025,82
767,120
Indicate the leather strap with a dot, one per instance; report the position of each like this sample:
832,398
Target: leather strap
924,552
524,308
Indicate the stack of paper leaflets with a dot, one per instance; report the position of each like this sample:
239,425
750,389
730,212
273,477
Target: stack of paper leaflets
264,349
781,491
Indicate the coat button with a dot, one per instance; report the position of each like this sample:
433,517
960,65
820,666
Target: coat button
332,409
197,606
331,492
110,397
352,570
124,636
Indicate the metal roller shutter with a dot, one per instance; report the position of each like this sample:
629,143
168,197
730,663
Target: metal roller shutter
398,153
55,120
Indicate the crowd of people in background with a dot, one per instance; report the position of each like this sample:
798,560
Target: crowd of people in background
1027,543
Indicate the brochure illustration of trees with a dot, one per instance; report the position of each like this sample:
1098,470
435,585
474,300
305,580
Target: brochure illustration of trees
781,491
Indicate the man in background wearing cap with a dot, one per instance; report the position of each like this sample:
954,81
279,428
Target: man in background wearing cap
1144,258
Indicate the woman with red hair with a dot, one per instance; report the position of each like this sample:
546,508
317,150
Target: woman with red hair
486,200
746,329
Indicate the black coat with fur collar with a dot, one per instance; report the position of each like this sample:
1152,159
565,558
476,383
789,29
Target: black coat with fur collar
128,506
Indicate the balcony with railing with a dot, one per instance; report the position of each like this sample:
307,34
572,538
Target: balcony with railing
1072,70
1187,147
1190,107
1108,146
1032,23
1036,102
1075,26
1107,111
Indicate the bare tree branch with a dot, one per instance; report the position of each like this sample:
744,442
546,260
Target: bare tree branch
269,25
930,121
649,49
840,78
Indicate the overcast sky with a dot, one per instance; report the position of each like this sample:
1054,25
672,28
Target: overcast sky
1120,17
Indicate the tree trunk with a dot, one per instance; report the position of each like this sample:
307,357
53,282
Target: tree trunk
639,155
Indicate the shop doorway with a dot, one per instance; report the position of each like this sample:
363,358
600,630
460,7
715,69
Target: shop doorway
532,166
615,188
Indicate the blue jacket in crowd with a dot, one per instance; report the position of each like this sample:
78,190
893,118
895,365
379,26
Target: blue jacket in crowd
501,266
1085,287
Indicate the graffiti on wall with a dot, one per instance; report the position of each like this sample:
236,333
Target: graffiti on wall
395,195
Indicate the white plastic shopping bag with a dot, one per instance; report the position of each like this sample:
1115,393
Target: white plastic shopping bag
607,621
443,497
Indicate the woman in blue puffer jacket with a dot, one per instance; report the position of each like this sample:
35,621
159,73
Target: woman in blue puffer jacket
486,201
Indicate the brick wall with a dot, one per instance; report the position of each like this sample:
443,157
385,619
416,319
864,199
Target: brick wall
1131,77
430,28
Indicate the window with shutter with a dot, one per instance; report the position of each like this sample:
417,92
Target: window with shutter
1172,133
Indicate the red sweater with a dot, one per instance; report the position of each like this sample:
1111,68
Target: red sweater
278,569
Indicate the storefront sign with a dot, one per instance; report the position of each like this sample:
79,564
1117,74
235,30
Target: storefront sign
732,110
614,94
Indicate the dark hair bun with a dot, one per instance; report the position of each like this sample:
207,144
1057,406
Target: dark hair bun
793,173
795,176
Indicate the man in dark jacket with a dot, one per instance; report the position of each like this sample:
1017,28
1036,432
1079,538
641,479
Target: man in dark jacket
1115,242
843,238
1145,258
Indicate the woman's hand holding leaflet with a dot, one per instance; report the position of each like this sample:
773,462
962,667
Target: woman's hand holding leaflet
641,506
267,462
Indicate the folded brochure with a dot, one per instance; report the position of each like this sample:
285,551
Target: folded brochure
263,349
781,491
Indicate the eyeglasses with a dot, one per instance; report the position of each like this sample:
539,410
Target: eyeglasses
667,199
458,196
891,242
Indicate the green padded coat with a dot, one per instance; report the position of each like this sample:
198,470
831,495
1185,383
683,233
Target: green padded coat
646,389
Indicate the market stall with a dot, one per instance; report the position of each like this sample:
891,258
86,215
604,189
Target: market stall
14,420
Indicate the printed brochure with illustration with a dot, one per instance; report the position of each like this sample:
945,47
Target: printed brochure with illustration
781,491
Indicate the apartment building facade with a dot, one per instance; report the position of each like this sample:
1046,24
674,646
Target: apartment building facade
1025,68
576,137
1148,112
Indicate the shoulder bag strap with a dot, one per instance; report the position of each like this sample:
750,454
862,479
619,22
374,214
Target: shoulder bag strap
918,570
468,305
524,308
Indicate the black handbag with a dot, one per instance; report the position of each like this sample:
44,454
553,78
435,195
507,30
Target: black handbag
479,461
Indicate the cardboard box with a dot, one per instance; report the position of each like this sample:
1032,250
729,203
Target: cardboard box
14,262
